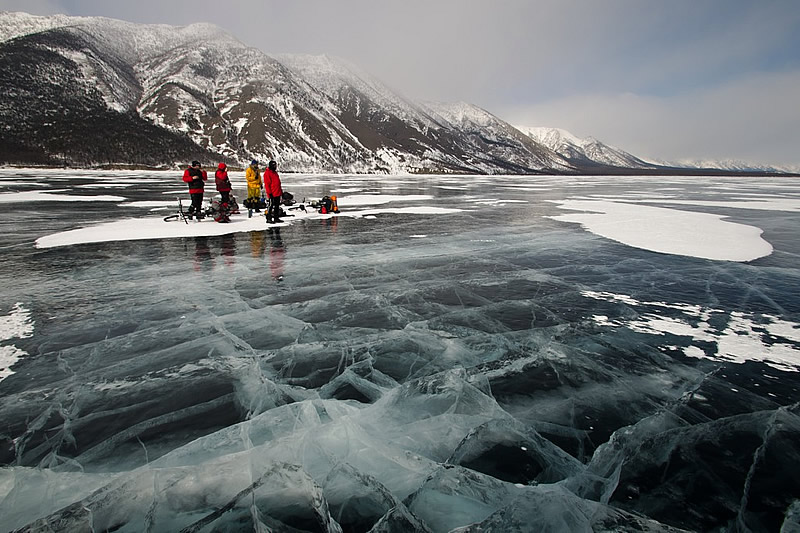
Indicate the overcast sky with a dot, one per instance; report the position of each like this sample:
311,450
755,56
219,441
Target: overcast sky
662,79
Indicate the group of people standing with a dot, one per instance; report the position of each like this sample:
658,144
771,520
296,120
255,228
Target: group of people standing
271,185
196,177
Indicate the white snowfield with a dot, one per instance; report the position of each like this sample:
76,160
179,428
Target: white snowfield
154,227
16,325
52,196
632,219
740,341
658,229
668,231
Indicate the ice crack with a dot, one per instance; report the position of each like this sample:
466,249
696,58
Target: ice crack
771,428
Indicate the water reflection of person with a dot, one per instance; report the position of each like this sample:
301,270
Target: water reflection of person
257,243
228,249
277,251
331,223
202,253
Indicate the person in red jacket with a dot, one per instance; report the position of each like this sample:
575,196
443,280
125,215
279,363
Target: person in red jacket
272,186
223,183
195,178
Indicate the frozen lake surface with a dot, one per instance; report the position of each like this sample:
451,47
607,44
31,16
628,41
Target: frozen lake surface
473,352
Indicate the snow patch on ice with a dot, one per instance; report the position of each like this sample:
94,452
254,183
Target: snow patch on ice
16,325
421,210
499,202
148,203
104,186
377,199
155,227
36,196
668,231
791,205
746,337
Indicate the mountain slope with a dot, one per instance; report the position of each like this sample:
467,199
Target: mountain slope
496,142
433,135
69,102
91,91
100,91
583,153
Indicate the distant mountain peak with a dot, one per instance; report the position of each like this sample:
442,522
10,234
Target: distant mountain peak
583,152
733,165
553,136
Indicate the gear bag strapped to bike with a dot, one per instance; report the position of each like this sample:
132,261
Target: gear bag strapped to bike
326,205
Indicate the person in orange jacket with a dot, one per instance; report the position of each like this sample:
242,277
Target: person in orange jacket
272,187
195,177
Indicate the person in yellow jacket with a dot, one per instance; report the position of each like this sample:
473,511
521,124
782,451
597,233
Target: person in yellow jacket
254,185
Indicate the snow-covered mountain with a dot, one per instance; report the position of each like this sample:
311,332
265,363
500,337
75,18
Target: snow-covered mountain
731,165
91,91
583,152
497,138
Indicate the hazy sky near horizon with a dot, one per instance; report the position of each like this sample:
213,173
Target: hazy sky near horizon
662,79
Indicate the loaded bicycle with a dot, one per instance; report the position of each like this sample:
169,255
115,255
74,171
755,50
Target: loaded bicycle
216,209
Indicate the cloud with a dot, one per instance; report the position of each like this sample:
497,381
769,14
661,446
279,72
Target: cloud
34,7
754,118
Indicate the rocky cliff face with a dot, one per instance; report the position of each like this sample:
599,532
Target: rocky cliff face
68,102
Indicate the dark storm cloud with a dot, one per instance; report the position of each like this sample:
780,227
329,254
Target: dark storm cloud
670,80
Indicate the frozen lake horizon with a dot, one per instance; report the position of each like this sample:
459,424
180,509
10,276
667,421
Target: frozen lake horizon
582,353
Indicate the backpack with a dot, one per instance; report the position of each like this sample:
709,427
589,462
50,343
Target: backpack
255,203
220,210
233,205
328,205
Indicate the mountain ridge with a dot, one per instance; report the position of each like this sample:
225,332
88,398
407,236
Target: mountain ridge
92,91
